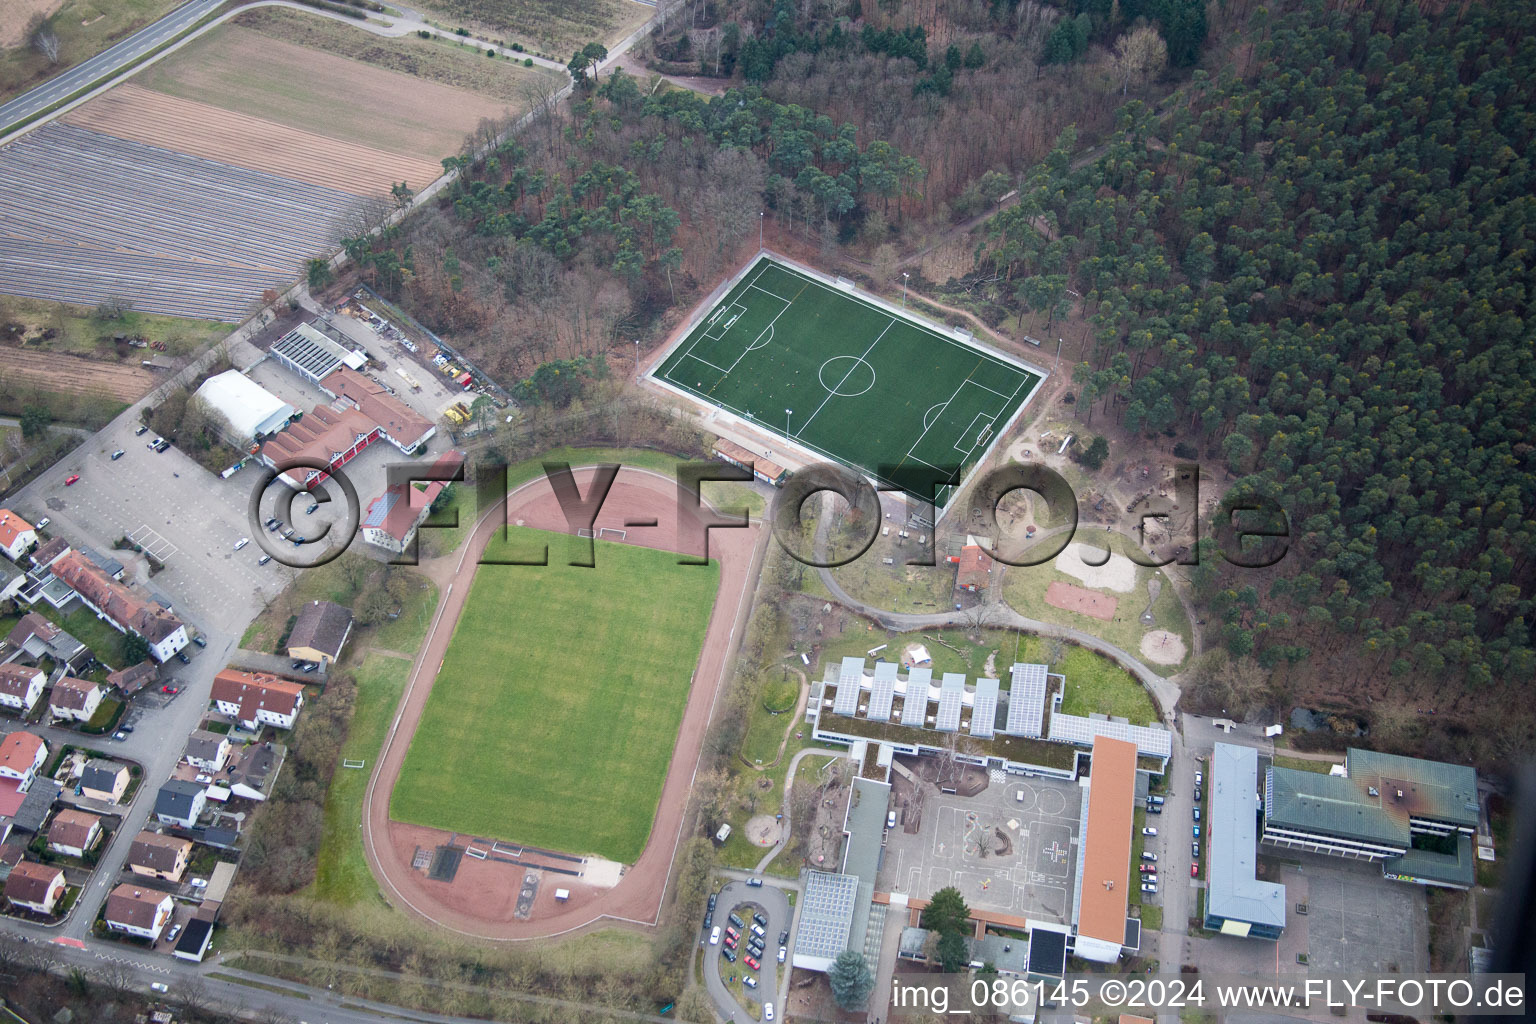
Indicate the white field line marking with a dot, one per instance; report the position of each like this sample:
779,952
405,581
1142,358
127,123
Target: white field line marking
855,366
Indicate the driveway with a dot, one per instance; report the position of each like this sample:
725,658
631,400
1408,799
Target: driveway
773,903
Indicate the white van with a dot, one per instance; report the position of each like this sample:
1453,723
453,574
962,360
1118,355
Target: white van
714,936
724,833
767,1011
890,819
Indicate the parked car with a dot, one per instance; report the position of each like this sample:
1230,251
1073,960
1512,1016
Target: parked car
1154,809
199,883
750,981
299,664
310,667
1148,887
154,444
272,523
163,446
1198,794
760,919
264,559
242,542
312,509
141,431
181,656
1197,831
1194,850
118,454
1199,778
732,933
783,952
72,479
784,937
43,522
752,962
119,735
713,897
714,936
126,728
1194,869
1149,869
203,778
159,986
170,936
757,930
170,689
729,956
767,1011
755,883
1149,855
734,918
1197,814
1149,831
1153,798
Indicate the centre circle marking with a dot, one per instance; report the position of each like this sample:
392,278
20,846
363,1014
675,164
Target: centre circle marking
842,376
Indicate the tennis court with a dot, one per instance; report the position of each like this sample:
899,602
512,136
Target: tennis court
909,404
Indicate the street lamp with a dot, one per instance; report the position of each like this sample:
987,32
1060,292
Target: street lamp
787,414
759,230
637,359
904,276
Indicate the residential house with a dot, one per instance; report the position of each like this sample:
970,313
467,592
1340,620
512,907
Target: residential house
49,552
252,776
16,535
393,517
158,856
975,569
21,757
21,687
140,912
320,632
73,832
75,699
180,802
35,887
207,750
12,580
104,780
39,638
124,607
255,699
134,678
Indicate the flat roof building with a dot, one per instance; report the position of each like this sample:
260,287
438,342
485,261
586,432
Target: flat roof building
312,355
1105,851
1411,814
1236,901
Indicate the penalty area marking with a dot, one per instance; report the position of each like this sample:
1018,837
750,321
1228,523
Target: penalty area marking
351,763
606,530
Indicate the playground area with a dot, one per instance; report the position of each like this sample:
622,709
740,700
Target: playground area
1084,602
1010,848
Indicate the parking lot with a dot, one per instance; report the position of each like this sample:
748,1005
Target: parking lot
1011,849
744,900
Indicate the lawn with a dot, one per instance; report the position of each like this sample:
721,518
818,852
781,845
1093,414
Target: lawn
342,874
84,27
553,717
900,399
328,583
915,589
1303,764
104,641
1094,683
1024,591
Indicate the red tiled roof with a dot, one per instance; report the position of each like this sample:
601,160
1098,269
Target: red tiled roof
256,691
404,425
1107,839
119,603
975,570
18,751
72,828
11,527
71,693
398,516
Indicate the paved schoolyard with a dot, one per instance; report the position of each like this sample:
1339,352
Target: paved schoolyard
1011,849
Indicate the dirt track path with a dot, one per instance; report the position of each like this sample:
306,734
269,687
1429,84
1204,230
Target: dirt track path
477,902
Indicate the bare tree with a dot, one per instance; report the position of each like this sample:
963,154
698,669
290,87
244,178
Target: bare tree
41,34
1139,54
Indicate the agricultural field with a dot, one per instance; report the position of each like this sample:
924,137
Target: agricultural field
221,171
76,376
84,27
554,715
555,27
425,60
250,72
1162,645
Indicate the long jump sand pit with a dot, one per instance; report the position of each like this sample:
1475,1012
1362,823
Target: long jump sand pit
187,126
482,899
1163,648
1083,602
1118,573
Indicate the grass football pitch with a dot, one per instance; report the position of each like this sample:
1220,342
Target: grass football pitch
909,405
553,718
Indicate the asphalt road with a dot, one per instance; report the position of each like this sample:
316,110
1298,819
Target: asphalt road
108,61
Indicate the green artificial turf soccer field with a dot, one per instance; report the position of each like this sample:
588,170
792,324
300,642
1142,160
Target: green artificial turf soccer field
905,403
554,715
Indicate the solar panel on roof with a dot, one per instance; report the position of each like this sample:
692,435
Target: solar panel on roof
848,682
1149,740
381,508
883,693
951,696
915,710
984,712
1026,700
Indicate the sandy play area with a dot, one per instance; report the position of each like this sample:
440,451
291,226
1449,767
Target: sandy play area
1083,602
1162,647
1118,573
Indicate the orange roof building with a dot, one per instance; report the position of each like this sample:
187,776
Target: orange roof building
125,608
1104,889
16,534
255,699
